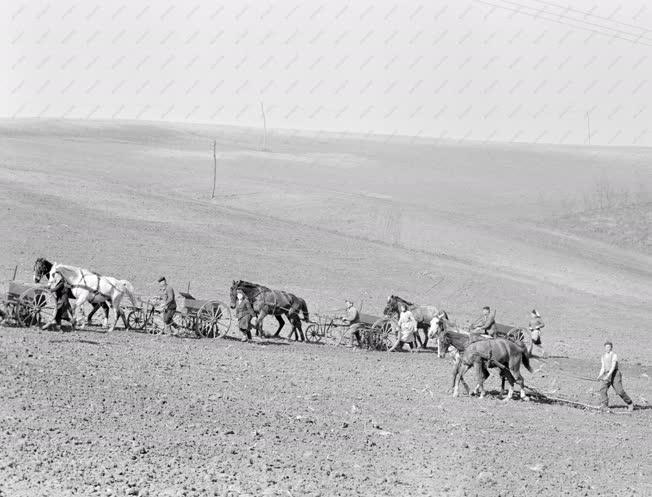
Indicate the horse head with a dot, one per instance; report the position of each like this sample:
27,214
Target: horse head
41,267
443,342
233,293
392,306
54,276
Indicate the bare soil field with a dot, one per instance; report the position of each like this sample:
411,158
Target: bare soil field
457,225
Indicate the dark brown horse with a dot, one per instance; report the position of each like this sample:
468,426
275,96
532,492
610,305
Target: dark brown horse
494,352
277,303
424,314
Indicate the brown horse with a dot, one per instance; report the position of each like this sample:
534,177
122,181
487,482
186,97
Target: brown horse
277,303
424,315
494,352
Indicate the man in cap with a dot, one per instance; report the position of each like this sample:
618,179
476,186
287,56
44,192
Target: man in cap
352,318
486,323
60,289
169,305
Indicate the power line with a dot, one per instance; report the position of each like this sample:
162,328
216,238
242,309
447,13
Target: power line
629,33
556,18
590,14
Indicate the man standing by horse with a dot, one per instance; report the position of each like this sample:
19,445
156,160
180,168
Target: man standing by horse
244,313
60,290
169,305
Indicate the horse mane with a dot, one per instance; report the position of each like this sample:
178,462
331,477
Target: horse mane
248,284
458,340
401,300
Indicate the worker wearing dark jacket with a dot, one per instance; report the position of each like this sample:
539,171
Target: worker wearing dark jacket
244,313
485,324
61,291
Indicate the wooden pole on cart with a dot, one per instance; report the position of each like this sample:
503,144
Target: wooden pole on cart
13,278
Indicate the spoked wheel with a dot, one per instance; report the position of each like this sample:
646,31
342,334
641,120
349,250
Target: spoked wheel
213,319
521,335
135,320
37,306
386,330
312,333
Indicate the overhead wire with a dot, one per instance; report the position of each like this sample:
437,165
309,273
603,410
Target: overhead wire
557,18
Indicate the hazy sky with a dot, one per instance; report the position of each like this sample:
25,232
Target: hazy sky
489,70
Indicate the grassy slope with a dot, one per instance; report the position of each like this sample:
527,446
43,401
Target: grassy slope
456,225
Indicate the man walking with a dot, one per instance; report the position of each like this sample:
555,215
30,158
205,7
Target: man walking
169,305
610,376
60,290
244,313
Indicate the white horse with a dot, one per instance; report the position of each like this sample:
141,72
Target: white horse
88,286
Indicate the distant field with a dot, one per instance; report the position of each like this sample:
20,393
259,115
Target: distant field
459,225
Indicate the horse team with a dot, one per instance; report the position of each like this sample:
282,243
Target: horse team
472,351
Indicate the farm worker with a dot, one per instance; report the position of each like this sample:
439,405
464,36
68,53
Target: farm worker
169,305
244,313
407,328
352,318
60,290
486,323
610,377
536,323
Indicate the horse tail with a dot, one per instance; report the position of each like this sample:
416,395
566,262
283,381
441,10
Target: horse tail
526,360
129,290
304,309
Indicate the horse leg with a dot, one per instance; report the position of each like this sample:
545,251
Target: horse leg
424,344
281,323
302,337
518,377
480,370
510,379
458,374
92,313
297,330
115,302
260,332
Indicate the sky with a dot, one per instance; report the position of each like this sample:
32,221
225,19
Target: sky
496,70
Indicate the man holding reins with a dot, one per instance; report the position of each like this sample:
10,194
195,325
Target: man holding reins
610,376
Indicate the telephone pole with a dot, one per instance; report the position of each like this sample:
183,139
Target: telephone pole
588,126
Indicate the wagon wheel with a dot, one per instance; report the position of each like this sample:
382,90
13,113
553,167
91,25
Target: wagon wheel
386,329
312,333
136,320
521,335
213,319
37,306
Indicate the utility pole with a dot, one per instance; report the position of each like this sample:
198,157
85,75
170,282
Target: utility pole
588,126
214,167
262,110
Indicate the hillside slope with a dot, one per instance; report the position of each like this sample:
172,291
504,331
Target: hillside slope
458,225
